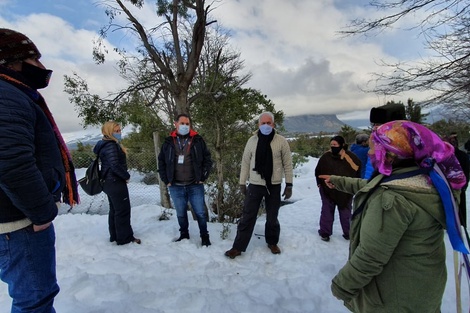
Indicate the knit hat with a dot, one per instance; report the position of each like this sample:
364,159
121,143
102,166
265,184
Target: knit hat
15,46
387,113
338,139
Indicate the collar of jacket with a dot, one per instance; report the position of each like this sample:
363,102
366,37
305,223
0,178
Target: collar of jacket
376,180
192,133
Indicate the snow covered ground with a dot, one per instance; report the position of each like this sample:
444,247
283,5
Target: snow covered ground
160,275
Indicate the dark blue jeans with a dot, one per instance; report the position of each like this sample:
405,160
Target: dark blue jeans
194,193
28,266
272,229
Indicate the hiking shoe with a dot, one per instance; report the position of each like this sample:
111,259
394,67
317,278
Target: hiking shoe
137,241
205,241
182,236
325,238
232,253
346,236
274,249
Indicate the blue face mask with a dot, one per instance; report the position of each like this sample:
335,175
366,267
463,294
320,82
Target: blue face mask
183,130
265,129
117,136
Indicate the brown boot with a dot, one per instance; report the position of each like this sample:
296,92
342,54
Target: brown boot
232,253
274,249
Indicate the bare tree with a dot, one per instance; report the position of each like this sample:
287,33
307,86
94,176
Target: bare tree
445,26
174,57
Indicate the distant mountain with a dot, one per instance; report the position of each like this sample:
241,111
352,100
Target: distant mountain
86,137
314,123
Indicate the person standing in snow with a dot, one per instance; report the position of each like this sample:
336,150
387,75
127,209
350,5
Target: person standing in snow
360,149
114,172
381,115
184,164
337,161
465,164
266,160
397,256
36,173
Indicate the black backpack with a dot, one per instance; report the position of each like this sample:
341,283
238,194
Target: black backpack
92,183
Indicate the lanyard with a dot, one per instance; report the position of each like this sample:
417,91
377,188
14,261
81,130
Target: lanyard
184,144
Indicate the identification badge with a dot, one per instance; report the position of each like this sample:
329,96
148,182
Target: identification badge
180,159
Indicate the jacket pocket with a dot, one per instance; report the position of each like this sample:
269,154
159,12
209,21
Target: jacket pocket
370,297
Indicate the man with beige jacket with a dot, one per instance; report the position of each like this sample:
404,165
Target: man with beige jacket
266,160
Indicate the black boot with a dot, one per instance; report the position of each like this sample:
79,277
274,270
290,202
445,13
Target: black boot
182,236
205,240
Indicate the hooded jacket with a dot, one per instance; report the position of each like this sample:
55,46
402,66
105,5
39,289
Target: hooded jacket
201,156
113,160
397,253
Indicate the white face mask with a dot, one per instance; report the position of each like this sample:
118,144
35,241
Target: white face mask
183,130
265,129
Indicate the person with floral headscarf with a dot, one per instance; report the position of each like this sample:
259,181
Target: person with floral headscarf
397,253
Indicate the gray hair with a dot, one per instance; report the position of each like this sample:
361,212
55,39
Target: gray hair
266,113
360,138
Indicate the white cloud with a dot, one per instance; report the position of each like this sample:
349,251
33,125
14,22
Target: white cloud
291,47
66,50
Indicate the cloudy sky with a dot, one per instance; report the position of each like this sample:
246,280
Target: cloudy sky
291,47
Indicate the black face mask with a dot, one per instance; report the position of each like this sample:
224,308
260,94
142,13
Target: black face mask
335,150
36,77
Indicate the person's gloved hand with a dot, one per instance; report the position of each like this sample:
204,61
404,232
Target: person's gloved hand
287,192
243,189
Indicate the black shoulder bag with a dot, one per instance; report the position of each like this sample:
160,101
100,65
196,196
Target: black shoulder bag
92,183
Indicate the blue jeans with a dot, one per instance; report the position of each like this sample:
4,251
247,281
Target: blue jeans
180,195
28,266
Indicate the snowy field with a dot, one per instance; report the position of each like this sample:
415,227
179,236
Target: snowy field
160,275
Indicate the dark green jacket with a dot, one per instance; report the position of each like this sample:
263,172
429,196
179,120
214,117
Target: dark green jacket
397,253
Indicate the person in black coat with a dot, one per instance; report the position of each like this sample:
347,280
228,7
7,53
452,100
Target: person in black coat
465,164
36,174
184,164
115,175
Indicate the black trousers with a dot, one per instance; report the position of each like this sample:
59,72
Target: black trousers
272,229
119,218
463,208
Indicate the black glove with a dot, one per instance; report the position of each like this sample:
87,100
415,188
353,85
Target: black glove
287,192
243,189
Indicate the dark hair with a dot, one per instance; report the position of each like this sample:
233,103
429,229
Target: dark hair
182,115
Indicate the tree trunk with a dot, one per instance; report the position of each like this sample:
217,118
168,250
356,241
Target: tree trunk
164,195
181,101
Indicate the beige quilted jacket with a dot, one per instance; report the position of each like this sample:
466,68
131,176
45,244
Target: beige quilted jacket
282,162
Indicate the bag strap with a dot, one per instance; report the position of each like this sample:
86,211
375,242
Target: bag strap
98,155
387,179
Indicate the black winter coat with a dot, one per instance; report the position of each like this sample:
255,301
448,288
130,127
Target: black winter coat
202,162
32,174
113,160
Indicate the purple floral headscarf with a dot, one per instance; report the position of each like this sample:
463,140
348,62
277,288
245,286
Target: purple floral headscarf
408,140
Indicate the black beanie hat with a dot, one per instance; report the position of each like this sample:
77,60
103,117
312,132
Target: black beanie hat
387,113
15,46
339,140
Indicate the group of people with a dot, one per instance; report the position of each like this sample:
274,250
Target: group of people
394,218
37,174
